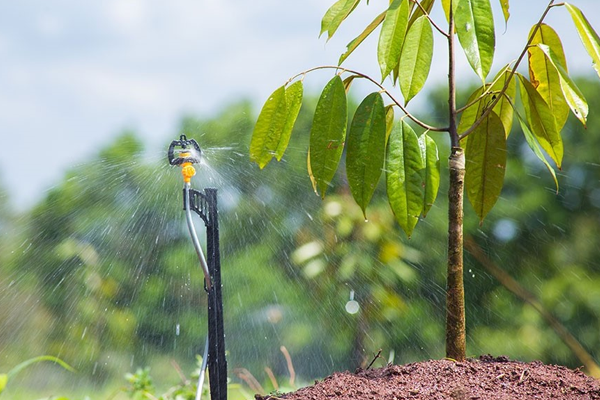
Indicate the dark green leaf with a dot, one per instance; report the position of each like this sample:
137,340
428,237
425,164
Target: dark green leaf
543,76
268,128
475,29
573,95
588,35
366,149
403,176
293,101
392,35
415,60
328,133
485,164
360,38
541,121
430,172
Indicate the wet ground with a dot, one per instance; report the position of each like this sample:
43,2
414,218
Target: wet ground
485,378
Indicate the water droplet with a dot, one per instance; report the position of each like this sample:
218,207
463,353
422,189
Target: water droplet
352,307
177,329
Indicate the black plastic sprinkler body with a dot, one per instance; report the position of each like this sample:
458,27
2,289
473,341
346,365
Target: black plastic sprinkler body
185,153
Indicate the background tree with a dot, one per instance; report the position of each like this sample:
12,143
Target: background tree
477,131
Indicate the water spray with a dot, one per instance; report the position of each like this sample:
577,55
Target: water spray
185,153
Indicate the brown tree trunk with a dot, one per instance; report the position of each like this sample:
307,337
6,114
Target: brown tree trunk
455,291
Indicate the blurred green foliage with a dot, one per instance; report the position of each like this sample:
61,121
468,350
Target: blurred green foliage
101,272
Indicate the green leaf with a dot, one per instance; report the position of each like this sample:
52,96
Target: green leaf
415,60
471,113
36,360
588,36
336,14
389,120
543,76
475,29
403,176
426,5
573,95
541,120
504,107
533,145
366,149
360,38
391,37
268,128
430,172
293,101
485,164
446,7
3,382
505,10
328,133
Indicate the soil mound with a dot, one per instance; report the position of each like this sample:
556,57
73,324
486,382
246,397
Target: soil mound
486,378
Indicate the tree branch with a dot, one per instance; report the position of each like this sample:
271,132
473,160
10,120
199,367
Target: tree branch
440,30
512,73
380,86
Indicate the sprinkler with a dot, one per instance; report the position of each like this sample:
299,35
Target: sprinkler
185,153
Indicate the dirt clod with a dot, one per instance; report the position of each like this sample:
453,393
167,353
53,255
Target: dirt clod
486,378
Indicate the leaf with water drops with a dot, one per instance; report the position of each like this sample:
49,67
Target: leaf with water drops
541,121
293,101
366,149
391,37
534,146
404,180
430,171
415,60
588,35
360,38
571,92
268,128
475,29
328,133
485,164
543,76
335,15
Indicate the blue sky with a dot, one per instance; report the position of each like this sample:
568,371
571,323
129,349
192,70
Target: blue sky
73,74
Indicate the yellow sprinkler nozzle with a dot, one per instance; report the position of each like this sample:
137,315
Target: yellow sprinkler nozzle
187,170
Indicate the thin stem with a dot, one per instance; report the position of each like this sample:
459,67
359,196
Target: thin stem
440,30
380,86
512,73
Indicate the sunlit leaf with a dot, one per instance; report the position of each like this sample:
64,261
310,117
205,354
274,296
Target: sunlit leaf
541,121
533,145
391,37
360,38
471,114
573,95
313,181
389,120
403,176
426,5
348,82
3,382
415,60
543,76
430,172
335,15
505,9
293,101
328,133
366,149
268,128
485,164
504,107
475,29
588,35
446,7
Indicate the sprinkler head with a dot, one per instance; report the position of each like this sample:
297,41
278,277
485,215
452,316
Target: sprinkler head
184,151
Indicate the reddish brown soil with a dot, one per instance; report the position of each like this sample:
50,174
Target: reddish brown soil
487,378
